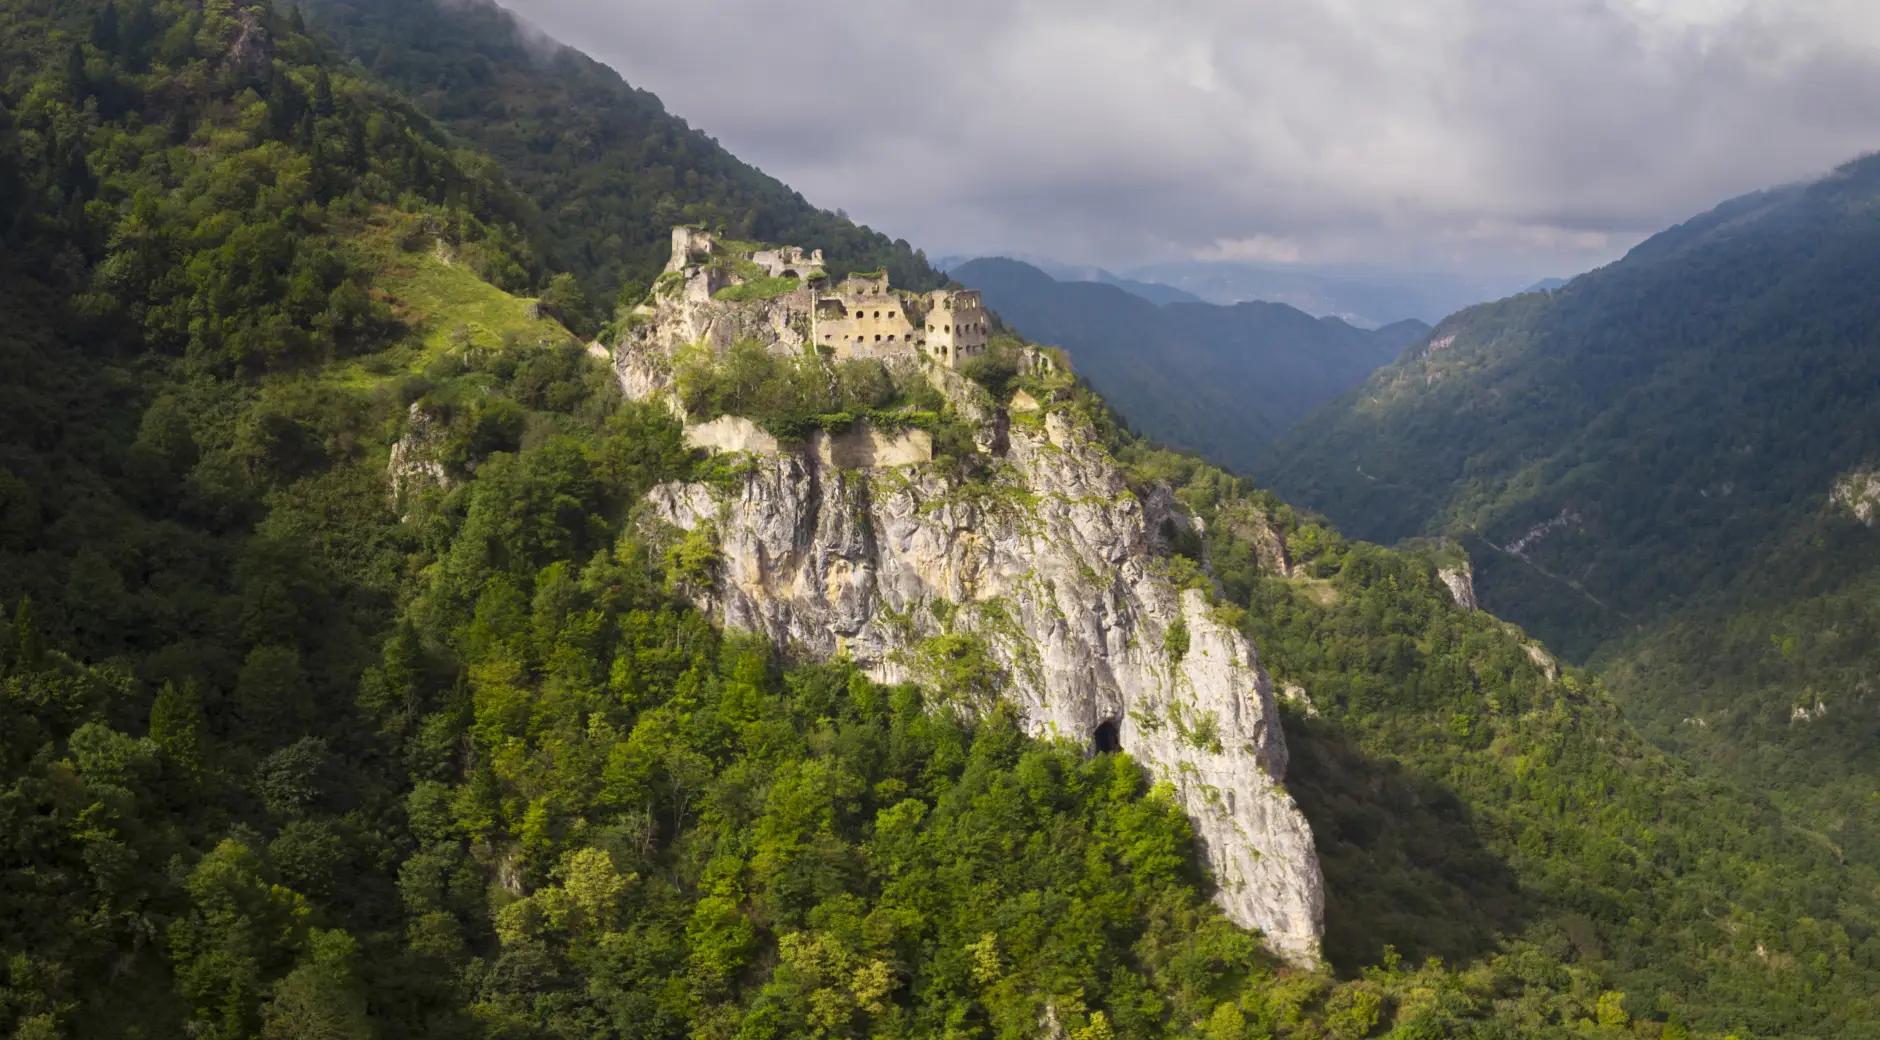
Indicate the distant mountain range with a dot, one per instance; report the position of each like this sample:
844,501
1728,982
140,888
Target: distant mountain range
1361,297
1154,292
1220,380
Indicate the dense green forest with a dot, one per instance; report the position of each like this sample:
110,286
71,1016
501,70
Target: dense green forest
1221,381
1670,429
282,756
609,169
1669,414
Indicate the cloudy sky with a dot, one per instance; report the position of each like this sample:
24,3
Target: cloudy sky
1501,138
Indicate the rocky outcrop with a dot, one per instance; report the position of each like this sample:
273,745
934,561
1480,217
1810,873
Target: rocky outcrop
1809,712
1254,527
1023,554
415,465
1858,495
1045,563
1460,580
730,433
690,316
1543,660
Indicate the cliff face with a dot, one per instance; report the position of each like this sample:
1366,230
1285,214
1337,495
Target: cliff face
1038,576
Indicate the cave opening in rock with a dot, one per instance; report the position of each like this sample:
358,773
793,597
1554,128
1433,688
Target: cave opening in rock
1105,738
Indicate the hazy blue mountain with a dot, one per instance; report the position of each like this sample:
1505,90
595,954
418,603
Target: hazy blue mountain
1154,292
1220,380
1361,297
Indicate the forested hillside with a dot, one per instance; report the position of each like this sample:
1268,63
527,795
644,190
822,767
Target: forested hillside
1222,381
1644,465
286,754
1621,444
611,171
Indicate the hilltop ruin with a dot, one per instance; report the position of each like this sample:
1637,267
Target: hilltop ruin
860,316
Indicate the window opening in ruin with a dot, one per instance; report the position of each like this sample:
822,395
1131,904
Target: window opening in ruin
1106,739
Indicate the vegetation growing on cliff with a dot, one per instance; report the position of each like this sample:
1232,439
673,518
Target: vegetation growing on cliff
792,396
1467,807
275,763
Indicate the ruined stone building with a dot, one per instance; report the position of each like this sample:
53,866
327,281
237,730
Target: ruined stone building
861,316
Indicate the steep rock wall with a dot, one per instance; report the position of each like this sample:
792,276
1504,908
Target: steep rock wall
1049,565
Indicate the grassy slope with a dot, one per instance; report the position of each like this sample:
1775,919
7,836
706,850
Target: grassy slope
443,304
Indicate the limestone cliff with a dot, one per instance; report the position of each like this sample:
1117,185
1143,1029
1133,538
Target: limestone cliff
1036,554
1049,566
1460,580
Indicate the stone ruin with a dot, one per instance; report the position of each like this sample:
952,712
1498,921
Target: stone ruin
861,316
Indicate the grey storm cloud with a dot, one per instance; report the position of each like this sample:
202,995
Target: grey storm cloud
1479,136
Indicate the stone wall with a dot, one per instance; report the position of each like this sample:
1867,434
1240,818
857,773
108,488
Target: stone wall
860,447
789,261
688,246
849,324
957,325
864,447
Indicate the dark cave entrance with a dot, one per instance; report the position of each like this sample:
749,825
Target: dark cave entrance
1105,739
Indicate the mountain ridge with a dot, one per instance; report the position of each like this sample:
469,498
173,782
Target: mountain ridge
1222,380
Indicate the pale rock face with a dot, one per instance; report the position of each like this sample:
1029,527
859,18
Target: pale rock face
1460,581
1052,567
864,447
1269,545
1543,660
1858,494
729,433
859,544
688,315
414,464
1296,695
1808,712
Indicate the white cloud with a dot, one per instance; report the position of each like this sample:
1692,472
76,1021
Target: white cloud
1517,136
